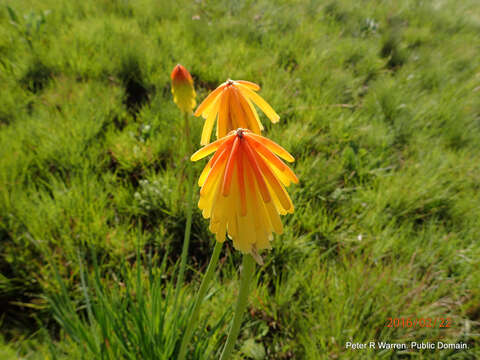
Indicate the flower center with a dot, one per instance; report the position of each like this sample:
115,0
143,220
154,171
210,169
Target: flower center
239,132
230,82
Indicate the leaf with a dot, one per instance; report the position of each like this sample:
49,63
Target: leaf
12,14
253,350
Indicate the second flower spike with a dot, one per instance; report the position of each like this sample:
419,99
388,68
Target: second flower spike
232,103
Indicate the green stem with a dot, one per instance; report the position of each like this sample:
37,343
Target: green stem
188,225
248,265
199,298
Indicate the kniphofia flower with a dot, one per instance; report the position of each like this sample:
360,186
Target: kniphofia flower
243,189
182,89
232,103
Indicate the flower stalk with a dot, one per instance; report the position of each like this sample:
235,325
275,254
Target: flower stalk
189,210
248,269
184,96
199,299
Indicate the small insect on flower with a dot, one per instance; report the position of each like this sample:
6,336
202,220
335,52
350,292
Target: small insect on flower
243,189
182,89
232,102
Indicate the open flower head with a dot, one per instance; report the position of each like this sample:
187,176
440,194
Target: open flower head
182,89
232,104
243,189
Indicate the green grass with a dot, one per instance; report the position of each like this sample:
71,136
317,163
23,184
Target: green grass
379,105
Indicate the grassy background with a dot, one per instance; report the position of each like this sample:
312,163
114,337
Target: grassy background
379,104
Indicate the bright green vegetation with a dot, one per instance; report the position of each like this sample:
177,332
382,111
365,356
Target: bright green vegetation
379,104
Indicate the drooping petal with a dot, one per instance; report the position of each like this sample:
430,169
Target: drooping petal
205,172
257,172
207,150
273,160
251,120
215,172
274,218
254,111
224,115
241,183
258,100
259,147
273,147
224,147
208,201
263,223
239,119
284,206
210,121
282,176
248,84
209,100
271,218
273,182
220,233
228,176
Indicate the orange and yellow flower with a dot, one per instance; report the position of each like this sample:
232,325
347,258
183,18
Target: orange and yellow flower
232,103
182,89
243,189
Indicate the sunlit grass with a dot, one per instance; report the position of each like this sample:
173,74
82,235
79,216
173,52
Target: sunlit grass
378,102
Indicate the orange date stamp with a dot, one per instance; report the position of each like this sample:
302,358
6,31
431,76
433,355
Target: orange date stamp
408,322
